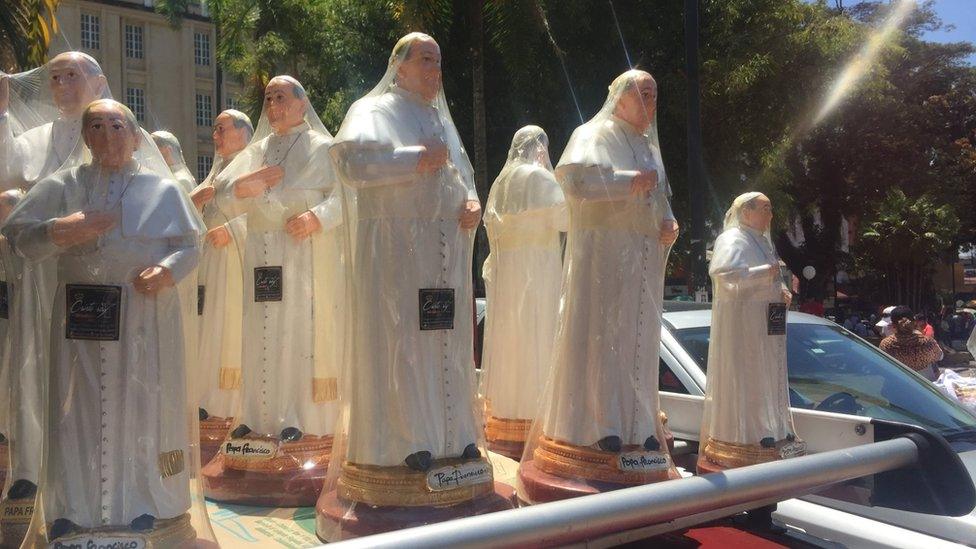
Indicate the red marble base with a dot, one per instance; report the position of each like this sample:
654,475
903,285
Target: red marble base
337,519
288,488
537,486
208,450
704,467
508,448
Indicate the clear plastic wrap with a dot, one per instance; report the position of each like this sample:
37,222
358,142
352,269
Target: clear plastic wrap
220,291
120,456
598,427
172,151
410,445
40,126
747,416
526,211
283,185
9,264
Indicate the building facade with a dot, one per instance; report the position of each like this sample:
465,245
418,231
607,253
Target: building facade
168,76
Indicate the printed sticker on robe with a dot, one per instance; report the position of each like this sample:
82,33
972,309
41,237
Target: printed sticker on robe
250,449
793,449
92,312
776,319
17,512
437,309
201,297
643,461
456,476
89,541
267,284
4,301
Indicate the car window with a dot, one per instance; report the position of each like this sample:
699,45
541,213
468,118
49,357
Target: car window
831,370
668,381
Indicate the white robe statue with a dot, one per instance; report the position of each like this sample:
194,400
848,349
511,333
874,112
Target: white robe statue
605,365
525,213
118,433
292,288
747,395
36,138
412,371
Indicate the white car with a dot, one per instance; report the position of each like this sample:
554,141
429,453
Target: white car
831,370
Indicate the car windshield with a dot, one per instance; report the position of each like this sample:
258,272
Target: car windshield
832,370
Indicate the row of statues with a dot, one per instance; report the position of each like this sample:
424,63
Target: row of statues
303,317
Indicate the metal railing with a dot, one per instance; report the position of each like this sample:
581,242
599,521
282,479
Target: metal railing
587,518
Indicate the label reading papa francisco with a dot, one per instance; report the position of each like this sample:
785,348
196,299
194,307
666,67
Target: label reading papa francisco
250,449
793,449
643,461
17,512
456,476
94,541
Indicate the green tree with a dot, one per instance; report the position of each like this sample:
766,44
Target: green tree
26,28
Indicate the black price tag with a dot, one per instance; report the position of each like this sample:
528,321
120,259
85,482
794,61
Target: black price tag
776,319
201,296
267,284
4,301
93,312
437,309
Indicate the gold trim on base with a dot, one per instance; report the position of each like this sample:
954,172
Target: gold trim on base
230,379
400,486
166,534
731,455
311,452
215,429
569,461
506,429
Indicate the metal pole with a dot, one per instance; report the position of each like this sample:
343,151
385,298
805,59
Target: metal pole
696,163
575,520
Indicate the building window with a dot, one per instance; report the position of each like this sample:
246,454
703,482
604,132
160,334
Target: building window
204,163
133,41
232,102
201,49
90,32
204,110
135,98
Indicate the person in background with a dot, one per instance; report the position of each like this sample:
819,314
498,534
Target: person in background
812,306
884,327
923,326
910,347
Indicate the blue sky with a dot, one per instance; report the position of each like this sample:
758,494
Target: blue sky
961,14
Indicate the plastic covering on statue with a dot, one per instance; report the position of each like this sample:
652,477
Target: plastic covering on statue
525,213
598,427
278,451
410,449
169,147
40,126
120,455
747,417
220,290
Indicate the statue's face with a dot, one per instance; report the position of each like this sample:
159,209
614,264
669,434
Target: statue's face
284,109
420,72
167,154
71,86
228,138
109,137
638,102
760,215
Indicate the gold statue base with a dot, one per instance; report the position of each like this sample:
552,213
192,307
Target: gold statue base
213,431
292,477
507,436
370,499
716,455
166,534
559,470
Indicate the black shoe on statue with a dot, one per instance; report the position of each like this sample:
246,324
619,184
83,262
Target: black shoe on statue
22,489
61,527
240,432
143,523
203,414
419,461
768,442
610,444
291,434
471,452
651,444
